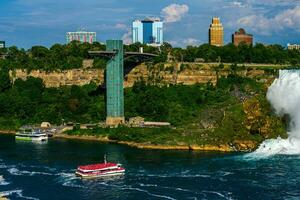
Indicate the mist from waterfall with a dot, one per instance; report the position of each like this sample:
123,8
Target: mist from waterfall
284,96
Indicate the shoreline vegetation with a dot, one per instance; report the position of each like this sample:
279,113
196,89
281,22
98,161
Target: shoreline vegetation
10,132
159,139
221,148
233,115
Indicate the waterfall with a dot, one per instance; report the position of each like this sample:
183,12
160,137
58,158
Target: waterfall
284,96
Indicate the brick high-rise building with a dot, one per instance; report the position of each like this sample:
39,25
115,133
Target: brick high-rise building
241,36
216,32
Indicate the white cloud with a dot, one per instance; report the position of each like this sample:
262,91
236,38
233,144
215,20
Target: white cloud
272,2
185,42
121,26
289,18
235,4
257,23
191,42
261,24
127,37
174,12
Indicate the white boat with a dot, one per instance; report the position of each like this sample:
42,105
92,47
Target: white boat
30,134
105,169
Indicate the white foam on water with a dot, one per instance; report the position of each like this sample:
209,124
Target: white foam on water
284,96
148,185
149,193
16,172
186,171
176,175
4,166
194,176
219,194
40,167
19,193
3,181
129,187
163,187
69,180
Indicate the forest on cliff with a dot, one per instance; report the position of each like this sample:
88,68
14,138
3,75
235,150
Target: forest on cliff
235,108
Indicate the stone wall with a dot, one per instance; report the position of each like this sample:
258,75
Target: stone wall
176,73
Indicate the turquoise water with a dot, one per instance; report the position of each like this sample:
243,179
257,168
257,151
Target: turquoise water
46,171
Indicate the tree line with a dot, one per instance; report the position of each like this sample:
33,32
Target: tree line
69,56
259,53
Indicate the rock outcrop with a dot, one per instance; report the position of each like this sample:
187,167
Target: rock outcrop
60,78
176,73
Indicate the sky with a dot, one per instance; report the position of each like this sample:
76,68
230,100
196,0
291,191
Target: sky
26,23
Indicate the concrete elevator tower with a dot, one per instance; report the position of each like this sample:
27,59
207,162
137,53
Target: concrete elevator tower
114,83
115,77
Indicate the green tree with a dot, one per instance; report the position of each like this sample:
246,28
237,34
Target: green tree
5,82
217,69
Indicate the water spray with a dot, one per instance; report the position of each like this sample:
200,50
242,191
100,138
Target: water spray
284,96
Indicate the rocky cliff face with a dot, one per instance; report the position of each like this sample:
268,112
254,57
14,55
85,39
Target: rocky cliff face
61,78
176,73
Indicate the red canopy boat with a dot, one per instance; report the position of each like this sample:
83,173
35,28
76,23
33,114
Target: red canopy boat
100,170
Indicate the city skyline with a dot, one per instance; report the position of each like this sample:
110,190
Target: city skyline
44,22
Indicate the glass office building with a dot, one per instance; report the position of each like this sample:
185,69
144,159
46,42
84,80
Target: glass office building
148,31
81,36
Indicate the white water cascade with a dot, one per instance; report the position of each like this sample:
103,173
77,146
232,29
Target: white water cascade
284,96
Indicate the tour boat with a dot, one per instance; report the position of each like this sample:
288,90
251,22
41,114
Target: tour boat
31,134
100,170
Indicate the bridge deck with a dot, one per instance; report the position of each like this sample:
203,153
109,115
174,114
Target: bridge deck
111,53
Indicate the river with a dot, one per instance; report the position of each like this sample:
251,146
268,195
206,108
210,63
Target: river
46,171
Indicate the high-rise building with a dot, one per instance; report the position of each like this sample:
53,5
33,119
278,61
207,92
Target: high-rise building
2,44
216,32
81,36
241,36
148,31
293,46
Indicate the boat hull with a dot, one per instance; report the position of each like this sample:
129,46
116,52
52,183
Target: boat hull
98,175
37,139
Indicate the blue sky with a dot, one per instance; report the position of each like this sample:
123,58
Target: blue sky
25,23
